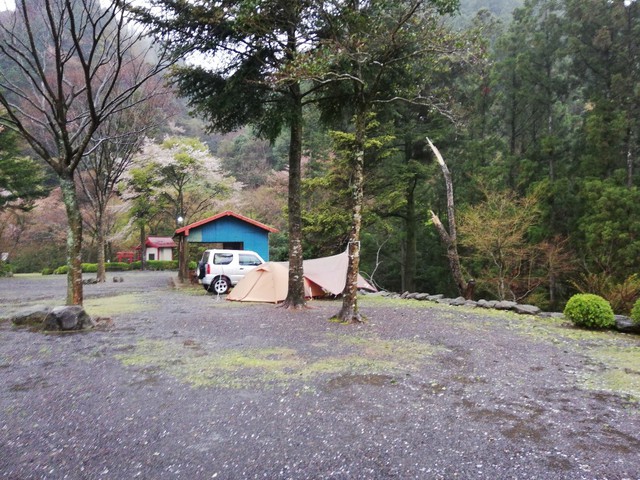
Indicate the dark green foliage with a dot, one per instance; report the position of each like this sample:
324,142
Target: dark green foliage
609,227
21,178
250,159
620,294
635,312
589,311
36,257
279,247
5,269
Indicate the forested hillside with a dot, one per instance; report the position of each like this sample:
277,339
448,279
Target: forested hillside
534,106
500,8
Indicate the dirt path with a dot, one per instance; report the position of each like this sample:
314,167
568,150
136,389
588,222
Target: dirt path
180,385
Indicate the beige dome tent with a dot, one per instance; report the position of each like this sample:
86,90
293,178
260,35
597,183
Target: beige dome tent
270,281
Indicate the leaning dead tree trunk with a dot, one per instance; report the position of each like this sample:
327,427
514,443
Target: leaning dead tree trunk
450,238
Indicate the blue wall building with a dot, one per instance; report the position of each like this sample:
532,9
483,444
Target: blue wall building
230,231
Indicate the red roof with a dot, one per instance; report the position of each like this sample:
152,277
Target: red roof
160,242
185,230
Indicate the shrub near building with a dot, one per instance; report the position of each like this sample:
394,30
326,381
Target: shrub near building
589,311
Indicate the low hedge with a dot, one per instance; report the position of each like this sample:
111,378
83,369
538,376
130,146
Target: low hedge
117,266
156,265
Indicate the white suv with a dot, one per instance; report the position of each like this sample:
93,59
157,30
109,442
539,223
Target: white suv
219,270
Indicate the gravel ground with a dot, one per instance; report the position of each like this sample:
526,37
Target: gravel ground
175,384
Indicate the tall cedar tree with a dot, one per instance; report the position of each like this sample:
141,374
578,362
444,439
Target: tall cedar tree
371,50
68,63
245,52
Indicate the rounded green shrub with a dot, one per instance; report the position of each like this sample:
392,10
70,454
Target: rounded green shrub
47,271
635,312
589,311
61,270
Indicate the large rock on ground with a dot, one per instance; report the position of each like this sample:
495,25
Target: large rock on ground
458,301
626,325
526,309
486,303
505,305
30,316
70,317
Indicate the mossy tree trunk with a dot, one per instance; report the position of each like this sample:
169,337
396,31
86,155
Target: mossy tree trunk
295,293
349,313
74,239
101,241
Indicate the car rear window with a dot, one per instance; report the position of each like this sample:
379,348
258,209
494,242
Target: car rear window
222,258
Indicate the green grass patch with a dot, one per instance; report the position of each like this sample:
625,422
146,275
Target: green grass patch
621,373
276,366
617,354
30,276
107,306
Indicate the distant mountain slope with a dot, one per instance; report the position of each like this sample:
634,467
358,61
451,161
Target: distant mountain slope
500,8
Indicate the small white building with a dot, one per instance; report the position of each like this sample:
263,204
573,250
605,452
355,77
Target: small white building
159,248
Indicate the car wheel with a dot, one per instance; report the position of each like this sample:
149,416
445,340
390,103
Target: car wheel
220,285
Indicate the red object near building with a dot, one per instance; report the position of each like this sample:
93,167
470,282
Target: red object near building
126,257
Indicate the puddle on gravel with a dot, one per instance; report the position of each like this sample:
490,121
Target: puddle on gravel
348,380
29,384
523,430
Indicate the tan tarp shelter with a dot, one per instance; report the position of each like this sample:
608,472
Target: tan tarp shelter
269,282
331,273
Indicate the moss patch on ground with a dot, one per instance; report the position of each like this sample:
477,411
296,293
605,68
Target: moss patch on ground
275,366
620,371
107,306
618,355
